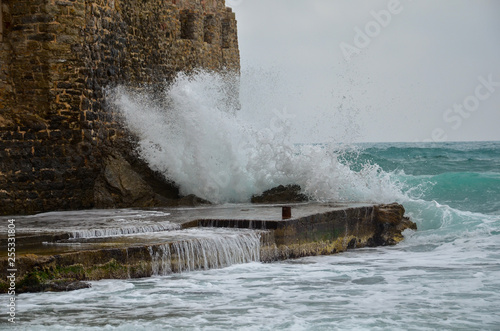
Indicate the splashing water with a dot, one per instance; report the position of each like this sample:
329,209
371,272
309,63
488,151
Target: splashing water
109,232
445,276
194,135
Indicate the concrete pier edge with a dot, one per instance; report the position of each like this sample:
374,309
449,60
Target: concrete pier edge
317,233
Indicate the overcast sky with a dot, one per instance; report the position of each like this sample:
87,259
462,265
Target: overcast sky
387,70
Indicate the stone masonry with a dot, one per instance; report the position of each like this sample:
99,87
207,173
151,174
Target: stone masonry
60,146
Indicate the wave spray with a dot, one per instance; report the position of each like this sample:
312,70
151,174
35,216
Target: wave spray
196,135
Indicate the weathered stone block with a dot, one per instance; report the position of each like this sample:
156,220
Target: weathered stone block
37,18
68,39
42,37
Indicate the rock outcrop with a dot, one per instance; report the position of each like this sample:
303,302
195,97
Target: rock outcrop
281,194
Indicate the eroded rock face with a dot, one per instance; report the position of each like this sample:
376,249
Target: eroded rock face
130,182
121,185
393,222
281,194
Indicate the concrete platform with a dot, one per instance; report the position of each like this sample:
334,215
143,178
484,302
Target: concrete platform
53,232
95,244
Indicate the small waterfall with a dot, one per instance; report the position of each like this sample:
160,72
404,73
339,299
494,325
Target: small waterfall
108,232
217,250
161,259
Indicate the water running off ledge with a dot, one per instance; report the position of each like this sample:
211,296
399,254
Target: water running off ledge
110,232
219,249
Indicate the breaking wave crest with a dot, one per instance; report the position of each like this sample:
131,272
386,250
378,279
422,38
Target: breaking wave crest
195,134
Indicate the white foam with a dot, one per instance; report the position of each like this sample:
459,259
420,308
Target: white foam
109,232
193,136
362,289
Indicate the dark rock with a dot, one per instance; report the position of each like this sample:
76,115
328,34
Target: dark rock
281,194
121,185
128,181
66,285
190,200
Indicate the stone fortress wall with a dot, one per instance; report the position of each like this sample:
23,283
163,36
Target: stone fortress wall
60,147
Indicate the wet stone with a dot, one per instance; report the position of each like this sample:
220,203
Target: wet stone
57,251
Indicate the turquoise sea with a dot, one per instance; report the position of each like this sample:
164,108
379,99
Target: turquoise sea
445,276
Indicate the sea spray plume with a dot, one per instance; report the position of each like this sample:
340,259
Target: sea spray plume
193,140
196,138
